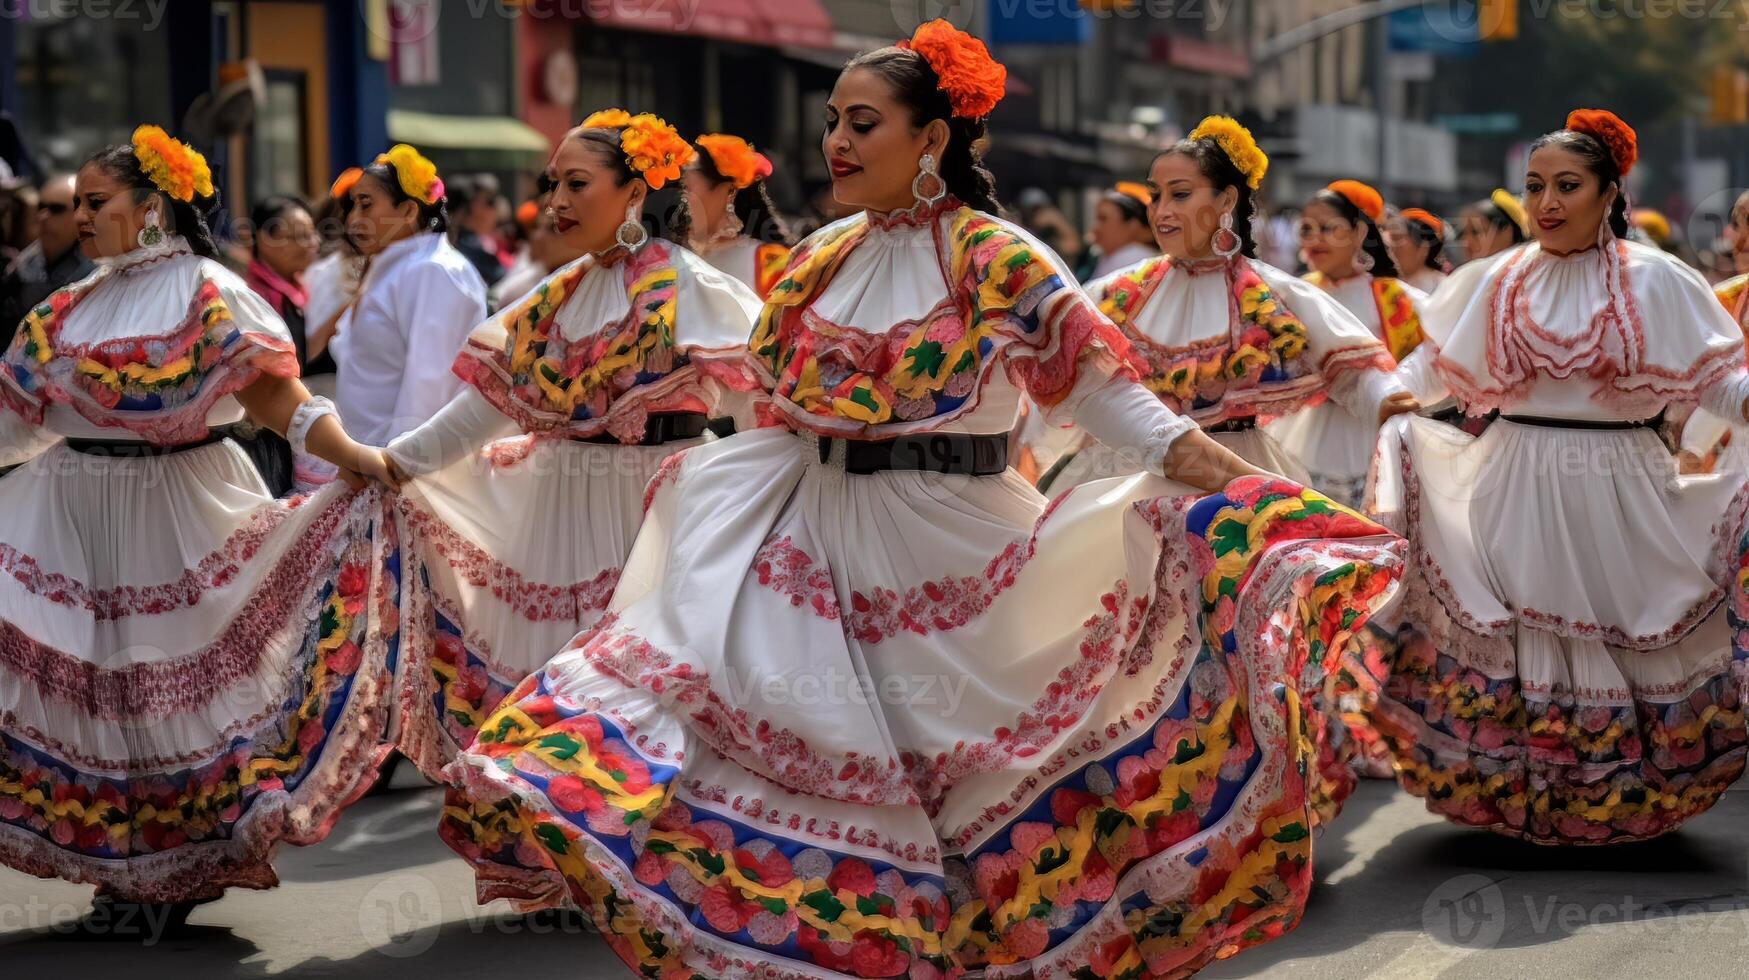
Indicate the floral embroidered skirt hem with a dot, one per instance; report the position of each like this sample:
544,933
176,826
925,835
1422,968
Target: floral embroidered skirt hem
1572,682
915,725
190,673
510,555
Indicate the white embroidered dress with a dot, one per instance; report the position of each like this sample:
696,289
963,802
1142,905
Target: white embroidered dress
1566,664
515,545
828,712
191,673
1190,317
1332,441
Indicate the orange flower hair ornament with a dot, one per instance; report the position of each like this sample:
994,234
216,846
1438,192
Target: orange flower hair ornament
342,185
1362,196
173,166
1129,188
652,148
1238,144
528,214
1609,129
735,159
416,175
972,80
1427,218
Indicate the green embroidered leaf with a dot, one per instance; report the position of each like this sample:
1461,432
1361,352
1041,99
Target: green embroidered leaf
561,746
1292,832
825,905
926,357
553,838
709,860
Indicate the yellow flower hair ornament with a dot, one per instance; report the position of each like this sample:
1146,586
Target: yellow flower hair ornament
1512,207
1238,144
416,174
173,166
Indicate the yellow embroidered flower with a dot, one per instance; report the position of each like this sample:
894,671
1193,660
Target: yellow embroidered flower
417,175
1238,144
174,167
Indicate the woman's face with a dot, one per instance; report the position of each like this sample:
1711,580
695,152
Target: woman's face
707,202
1408,249
871,147
1480,237
1112,229
1738,233
588,202
1186,209
375,221
1566,201
288,243
1330,241
105,215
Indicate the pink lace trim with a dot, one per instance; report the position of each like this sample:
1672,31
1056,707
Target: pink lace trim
679,391
157,690
214,571
1726,531
756,808
535,601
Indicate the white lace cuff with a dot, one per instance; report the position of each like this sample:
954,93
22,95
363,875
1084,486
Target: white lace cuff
305,416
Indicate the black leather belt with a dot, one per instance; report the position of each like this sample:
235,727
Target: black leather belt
135,449
958,453
658,429
1233,425
1597,424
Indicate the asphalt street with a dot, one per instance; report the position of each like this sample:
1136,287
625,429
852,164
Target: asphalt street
1399,895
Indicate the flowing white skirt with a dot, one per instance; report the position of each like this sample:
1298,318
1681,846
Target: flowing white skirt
190,672
1335,447
510,555
1565,662
910,722
1097,461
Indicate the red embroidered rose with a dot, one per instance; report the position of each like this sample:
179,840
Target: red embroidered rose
854,874
874,955
344,660
571,794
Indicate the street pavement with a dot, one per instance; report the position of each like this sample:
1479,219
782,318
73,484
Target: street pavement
1399,895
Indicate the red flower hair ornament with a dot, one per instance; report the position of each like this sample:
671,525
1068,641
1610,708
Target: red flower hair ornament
1608,128
972,80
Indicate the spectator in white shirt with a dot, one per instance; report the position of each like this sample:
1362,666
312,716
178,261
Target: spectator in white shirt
416,305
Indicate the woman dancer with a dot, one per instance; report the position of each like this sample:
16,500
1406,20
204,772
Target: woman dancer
1492,225
1219,335
864,704
604,368
1417,240
730,219
1565,664
191,673
1340,238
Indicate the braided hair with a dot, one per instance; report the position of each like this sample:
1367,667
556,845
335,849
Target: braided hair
185,218
919,89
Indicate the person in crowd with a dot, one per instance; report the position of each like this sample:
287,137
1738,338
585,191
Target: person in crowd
52,261
417,302
282,245
1417,241
1041,217
1492,225
1120,236
478,210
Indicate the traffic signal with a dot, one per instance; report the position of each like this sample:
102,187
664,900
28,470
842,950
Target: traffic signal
1497,20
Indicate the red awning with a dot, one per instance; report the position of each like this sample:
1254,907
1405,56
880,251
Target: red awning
799,23
795,23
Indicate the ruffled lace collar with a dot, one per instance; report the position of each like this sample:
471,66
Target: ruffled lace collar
921,216
1198,267
145,257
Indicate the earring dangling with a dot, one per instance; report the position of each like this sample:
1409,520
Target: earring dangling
1363,262
631,234
732,221
1233,242
926,169
152,234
